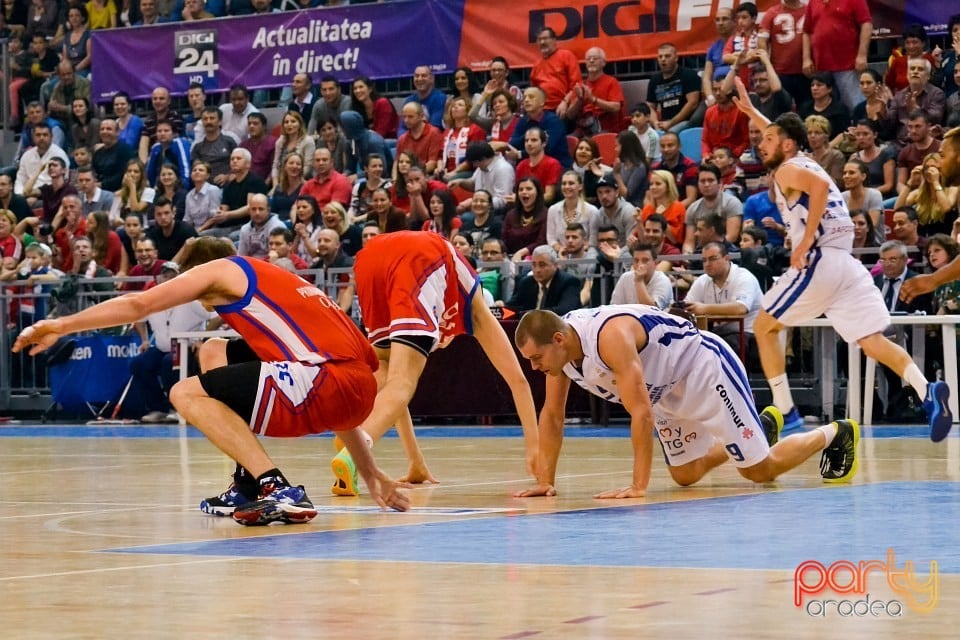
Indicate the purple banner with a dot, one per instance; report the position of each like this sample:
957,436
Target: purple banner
379,41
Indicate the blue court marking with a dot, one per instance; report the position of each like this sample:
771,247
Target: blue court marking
767,531
12,430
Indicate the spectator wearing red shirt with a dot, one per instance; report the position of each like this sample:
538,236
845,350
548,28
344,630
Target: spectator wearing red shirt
780,34
419,189
421,137
914,43
557,73
724,125
327,184
148,264
538,164
836,36
597,103
685,171
69,224
745,43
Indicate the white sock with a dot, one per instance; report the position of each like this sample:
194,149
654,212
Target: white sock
782,397
829,432
916,379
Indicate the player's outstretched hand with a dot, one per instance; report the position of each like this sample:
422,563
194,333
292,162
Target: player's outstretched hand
627,492
419,474
743,97
541,489
386,492
910,289
42,335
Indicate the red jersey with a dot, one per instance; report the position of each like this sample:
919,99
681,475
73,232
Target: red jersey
783,27
556,75
834,30
548,171
285,318
416,284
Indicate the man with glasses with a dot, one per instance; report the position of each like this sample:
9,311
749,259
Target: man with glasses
597,103
556,73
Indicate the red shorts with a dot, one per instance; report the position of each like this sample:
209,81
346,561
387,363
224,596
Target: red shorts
414,284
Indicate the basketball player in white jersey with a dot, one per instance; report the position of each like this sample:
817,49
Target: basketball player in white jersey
684,385
824,278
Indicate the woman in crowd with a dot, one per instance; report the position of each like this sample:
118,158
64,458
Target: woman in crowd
525,226
481,222
330,136
663,198
458,134
589,166
107,247
169,186
84,125
388,216
364,188
398,191
76,44
10,245
949,80
203,200
499,81
102,14
130,126
827,105
941,250
572,208
818,137
134,195
129,237
378,112
860,197
335,217
881,161
443,214
630,168
288,185
864,236
463,243
952,112
293,139
876,97
927,194
307,223
500,120
465,86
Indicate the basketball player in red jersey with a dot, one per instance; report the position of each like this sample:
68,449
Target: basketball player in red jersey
306,365
416,294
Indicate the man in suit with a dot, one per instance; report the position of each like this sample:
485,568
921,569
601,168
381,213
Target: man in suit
893,258
547,287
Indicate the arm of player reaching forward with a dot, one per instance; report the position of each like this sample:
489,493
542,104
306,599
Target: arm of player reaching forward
494,342
742,100
383,490
928,283
618,345
817,187
551,437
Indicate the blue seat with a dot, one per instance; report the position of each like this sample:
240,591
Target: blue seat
690,143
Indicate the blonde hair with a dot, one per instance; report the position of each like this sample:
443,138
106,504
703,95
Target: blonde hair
928,210
673,194
540,326
817,122
342,212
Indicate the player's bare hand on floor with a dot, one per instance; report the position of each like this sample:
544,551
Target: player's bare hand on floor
541,489
626,492
419,474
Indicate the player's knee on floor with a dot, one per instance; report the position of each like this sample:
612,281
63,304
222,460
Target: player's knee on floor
762,472
686,475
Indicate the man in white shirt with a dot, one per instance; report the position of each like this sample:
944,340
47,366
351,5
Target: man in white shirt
235,114
492,174
643,284
92,197
34,160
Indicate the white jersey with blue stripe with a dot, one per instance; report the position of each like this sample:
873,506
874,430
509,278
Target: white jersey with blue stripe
835,229
671,355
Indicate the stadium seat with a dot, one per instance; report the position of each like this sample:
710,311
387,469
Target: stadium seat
690,140
572,142
607,144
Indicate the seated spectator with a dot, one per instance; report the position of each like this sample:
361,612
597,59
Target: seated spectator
331,104
11,201
148,14
724,125
307,221
34,165
914,48
49,196
281,247
662,199
373,170
37,115
213,147
497,278
107,248
858,196
169,149
609,254
575,248
169,235
419,190
499,82
84,125
881,161
492,174
85,266
300,97
481,222
234,203
69,88
613,209
768,96
130,234
68,225
192,120
941,250
589,166
377,112
330,256
335,217
540,165
202,202
261,145
876,97
293,140
170,187
685,171
673,93
330,137
934,201
102,14
92,197
649,137
129,125
11,247
825,103
904,227
547,287
427,95
818,136
725,289
255,234
111,157
952,117
761,212
644,283
134,195
922,143
194,10
712,228
382,211
732,178
420,137
459,133
713,201
147,264
327,184
500,120
525,225
536,115
630,168
765,261
464,86
162,112
572,208
596,104
919,95
364,143
864,237
398,191
443,214
234,114
655,234
43,69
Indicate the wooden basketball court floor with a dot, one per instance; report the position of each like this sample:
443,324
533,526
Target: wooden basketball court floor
102,538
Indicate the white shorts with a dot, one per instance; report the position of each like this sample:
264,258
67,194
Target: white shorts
717,403
834,284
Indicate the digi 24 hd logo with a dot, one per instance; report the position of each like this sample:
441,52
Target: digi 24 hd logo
196,58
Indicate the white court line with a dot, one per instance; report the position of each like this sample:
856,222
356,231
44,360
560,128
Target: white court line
126,568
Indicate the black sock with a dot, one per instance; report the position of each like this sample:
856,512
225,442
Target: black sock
273,476
246,483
